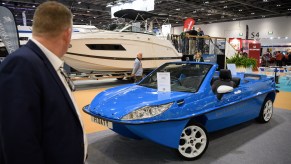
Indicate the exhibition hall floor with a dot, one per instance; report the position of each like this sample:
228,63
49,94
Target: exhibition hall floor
250,142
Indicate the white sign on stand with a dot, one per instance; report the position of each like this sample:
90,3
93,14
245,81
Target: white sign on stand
164,81
232,69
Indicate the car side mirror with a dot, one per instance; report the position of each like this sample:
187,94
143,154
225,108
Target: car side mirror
222,90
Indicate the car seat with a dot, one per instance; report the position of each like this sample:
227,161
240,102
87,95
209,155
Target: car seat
225,78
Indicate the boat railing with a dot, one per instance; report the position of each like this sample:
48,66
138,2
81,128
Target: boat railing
190,45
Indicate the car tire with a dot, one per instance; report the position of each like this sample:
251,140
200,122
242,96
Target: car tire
193,142
266,111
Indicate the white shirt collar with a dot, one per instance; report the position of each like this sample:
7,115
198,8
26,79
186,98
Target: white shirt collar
54,59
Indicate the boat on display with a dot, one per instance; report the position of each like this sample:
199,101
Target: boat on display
111,51
115,51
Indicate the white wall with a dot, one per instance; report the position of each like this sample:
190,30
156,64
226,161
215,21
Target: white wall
280,26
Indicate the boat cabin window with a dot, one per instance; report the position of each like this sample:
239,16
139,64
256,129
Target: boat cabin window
106,47
23,38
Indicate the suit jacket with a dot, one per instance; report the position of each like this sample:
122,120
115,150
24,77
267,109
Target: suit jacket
38,121
200,60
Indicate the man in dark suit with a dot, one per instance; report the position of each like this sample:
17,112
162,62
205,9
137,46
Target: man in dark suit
39,121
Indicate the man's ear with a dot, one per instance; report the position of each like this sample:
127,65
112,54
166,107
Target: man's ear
67,34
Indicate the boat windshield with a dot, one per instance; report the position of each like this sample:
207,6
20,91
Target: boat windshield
184,77
131,28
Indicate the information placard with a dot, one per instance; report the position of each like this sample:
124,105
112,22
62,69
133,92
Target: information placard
164,81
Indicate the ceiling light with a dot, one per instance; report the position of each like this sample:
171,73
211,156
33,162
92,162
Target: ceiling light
208,14
278,5
206,2
263,16
202,9
94,17
16,15
82,20
265,0
222,16
289,9
252,13
177,22
286,37
31,20
233,19
170,15
178,9
194,11
199,19
279,37
3,3
79,2
33,6
88,11
225,7
240,10
271,38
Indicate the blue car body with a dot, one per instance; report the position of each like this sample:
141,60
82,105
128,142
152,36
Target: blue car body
201,106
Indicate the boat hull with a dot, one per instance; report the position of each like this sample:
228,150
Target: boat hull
97,58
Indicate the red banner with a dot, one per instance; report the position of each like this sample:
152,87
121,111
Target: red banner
188,24
255,51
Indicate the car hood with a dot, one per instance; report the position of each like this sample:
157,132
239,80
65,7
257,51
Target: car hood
117,102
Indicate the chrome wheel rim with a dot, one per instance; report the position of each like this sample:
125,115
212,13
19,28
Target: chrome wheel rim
193,141
268,110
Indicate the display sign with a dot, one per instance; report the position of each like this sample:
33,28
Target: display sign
255,51
166,29
8,30
232,68
188,24
236,43
210,58
164,81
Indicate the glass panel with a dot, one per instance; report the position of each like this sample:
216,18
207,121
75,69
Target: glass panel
185,77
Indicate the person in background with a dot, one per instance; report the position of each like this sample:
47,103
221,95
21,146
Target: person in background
200,41
39,119
192,41
137,68
198,57
266,57
279,56
289,58
286,59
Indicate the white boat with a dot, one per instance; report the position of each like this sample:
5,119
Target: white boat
111,51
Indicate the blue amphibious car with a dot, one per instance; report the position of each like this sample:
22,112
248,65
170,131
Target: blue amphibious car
201,100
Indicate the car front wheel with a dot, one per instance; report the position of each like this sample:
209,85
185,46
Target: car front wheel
193,142
266,111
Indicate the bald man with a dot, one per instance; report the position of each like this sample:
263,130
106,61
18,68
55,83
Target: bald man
137,68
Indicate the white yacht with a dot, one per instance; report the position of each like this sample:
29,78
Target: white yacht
115,51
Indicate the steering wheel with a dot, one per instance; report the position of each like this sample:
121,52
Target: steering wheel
173,78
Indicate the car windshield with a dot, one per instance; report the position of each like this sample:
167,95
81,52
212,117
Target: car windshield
184,77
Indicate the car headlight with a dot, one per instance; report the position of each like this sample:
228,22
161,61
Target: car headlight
147,112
